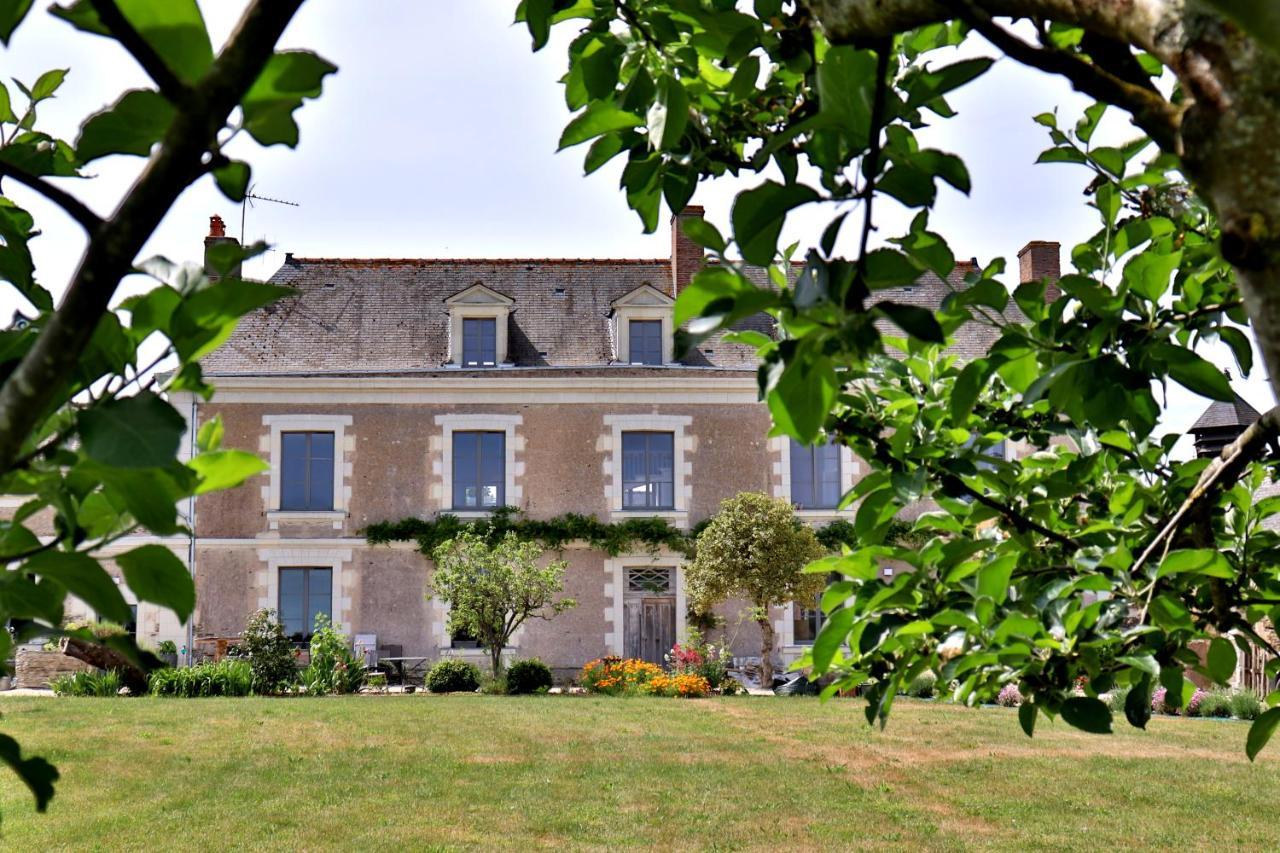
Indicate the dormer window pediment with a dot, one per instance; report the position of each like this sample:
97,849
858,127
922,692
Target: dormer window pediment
643,327
478,318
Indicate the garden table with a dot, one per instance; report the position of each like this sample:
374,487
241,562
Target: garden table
407,667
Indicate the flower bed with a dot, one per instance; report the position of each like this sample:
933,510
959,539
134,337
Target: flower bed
694,669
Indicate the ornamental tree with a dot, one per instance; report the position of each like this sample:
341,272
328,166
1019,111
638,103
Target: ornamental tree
86,433
493,589
1097,554
755,548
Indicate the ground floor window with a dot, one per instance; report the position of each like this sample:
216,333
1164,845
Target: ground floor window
304,594
805,624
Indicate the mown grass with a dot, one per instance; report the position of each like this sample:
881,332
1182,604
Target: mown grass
584,772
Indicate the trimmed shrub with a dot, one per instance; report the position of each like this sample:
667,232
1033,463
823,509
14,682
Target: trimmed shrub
1215,703
1245,705
225,678
269,652
923,686
1117,697
528,676
99,684
1193,704
453,676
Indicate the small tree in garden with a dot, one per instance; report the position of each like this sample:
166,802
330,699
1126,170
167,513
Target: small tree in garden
755,548
269,652
491,589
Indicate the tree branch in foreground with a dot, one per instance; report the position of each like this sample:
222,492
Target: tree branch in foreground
33,387
123,31
75,208
1221,474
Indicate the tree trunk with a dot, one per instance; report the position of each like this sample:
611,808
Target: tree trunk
104,658
766,649
495,659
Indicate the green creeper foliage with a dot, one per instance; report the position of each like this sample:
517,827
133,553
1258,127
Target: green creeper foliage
88,435
1093,554
493,588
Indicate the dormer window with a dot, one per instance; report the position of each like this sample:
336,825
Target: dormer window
645,342
642,327
479,342
478,318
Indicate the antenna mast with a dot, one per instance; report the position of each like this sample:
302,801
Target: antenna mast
248,200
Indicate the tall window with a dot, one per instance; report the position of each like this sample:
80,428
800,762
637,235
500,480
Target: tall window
304,593
479,342
479,470
645,341
815,476
805,624
306,481
648,470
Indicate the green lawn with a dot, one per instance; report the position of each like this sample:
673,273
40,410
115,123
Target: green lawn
583,772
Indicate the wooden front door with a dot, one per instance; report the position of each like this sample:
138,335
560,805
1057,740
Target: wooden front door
650,630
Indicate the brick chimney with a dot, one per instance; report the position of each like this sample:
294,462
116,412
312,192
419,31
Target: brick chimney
1039,259
686,256
217,234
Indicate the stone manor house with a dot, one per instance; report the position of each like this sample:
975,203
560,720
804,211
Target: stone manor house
395,388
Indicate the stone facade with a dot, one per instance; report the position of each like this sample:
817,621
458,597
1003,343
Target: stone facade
35,667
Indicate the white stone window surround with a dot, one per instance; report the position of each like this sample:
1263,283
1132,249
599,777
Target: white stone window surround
308,558
644,303
850,469
444,640
683,445
343,446
512,470
474,303
615,589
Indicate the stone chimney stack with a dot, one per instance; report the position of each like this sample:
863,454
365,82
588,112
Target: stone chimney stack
686,256
1040,259
217,235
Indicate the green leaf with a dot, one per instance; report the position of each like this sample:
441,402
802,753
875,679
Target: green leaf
802,397
1137,704
1027,712
537,17
155,574
936,83
758,215
1195,373
175,28
1087,714
47,83
993,578
131,126
1241,347
209,437
1221,659
6,106
1148,274
1260,732
669,115
11,14
225,469
36,773
598,118
142,431
889,268
149,494
84,578
289,77
1208,562
703,233
969,384
233,179
208,317
918,322
846,84
1062,155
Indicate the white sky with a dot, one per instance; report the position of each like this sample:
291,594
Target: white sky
437,138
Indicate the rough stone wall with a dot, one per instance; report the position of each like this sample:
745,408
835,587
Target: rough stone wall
35,667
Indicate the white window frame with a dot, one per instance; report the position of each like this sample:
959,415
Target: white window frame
644,303
478,302
615,591
444,640
449,424
850,470
279,424
307,558
682,471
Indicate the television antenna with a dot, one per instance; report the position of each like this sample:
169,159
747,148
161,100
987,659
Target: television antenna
249,198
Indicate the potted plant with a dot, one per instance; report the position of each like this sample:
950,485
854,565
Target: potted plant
167,651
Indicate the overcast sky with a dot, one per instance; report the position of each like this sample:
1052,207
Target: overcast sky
437,138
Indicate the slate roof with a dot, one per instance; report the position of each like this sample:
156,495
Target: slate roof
388,315
1220,415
